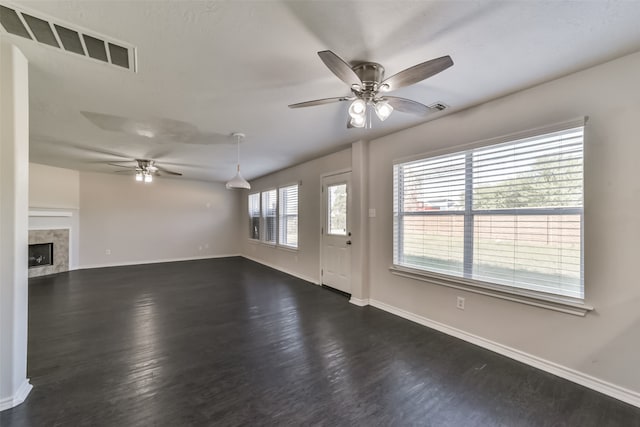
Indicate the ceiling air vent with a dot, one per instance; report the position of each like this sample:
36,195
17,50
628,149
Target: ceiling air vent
439,106
67,38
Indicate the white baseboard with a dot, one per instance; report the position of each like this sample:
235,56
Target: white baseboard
155,261
359,302
284,270
18,397
604,387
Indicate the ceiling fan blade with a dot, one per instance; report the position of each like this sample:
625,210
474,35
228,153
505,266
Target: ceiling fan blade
210,138
340,68
407,106
416,73
161,129
121,166
163,170
319,102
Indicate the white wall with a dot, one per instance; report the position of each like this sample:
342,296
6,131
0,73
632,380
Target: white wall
168,219
14,185
305,262
606,343
54,190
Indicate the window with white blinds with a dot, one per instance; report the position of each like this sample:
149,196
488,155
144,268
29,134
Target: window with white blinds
269,205
288,216
509,214
254,216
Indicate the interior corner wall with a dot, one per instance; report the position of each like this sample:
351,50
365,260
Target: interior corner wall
14,205
53,188
602,347
305,261
126,222
56,190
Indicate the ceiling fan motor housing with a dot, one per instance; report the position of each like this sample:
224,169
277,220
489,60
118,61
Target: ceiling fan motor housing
371,74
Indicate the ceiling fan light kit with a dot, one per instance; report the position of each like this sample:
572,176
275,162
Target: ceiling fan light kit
238,182
383,110
145,170
368,87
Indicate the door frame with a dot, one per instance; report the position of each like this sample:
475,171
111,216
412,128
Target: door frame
323,214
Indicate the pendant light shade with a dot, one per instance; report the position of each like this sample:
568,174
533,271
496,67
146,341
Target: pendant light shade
238,182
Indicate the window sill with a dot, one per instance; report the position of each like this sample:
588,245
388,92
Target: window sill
273,245
262,243
567,305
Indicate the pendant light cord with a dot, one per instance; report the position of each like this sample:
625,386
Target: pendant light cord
238,146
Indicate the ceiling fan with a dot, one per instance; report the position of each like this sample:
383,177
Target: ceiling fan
369,87
161,130
145,169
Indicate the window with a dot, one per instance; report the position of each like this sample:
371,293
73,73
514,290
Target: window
275,213
288,222
509,214
269,203
337,210
254,216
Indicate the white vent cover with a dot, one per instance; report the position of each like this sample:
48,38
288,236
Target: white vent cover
67,38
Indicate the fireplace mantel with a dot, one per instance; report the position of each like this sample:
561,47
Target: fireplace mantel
59,214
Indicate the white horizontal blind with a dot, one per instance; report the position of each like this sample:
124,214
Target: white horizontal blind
269,204
288,230
508,214
254,216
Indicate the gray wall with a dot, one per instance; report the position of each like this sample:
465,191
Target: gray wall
54,189
601,348
169,219
51,187
305,262
604,344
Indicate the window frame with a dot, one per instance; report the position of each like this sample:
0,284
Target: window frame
556,302
251,216
262,219
280,217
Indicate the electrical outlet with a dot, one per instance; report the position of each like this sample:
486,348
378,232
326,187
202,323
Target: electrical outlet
200,248
206,246
460,303
107,252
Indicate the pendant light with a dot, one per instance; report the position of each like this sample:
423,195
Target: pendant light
238,182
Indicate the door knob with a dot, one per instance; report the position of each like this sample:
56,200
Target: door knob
348,242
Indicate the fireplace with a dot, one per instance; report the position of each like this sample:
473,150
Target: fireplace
48,252
40,254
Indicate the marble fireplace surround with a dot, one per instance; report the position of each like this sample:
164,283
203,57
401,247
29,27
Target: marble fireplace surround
60,240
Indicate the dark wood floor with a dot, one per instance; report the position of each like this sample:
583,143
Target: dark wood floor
231,342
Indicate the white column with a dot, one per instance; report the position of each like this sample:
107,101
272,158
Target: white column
360,230
14,211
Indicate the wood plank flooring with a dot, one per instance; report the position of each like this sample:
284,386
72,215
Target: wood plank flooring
230,342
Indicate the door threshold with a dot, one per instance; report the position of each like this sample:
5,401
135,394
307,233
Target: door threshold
337,291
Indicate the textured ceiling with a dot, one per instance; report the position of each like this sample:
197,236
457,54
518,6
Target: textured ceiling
227,66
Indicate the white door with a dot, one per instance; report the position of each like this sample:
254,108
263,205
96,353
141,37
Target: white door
336,235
